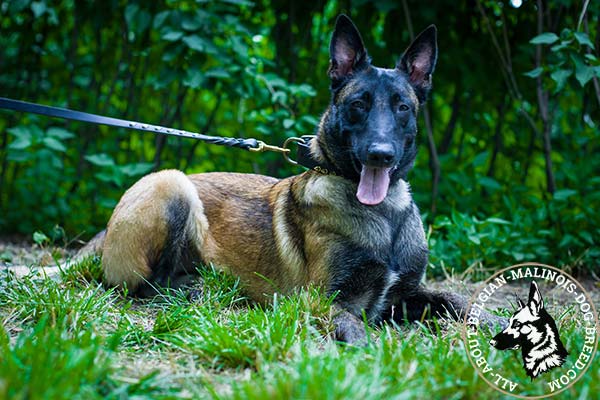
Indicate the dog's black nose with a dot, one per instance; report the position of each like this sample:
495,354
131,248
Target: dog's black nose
380,155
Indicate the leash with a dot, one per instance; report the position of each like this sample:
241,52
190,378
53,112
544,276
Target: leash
303,155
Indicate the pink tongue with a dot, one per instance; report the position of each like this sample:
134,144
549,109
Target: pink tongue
373,185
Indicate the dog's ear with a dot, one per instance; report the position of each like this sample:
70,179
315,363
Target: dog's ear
536,303
418,61
347,51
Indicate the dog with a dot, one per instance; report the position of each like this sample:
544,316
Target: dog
355,231
534,331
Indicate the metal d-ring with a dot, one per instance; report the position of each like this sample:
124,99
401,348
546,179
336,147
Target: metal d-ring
286,144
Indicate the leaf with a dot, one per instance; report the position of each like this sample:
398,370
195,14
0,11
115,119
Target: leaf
38,8
110,177
239,2
100,160
160,18
54,144
195,42
560,77
194,78
172,36
489,183
20,143
217,73
288,123
562,45
583,74
474,239
40,238
59,133
200,44
130,13
310,120
544,38
564,194
583,39
191,23
498,221
534,73
143,20
585,235
480,159
21,131
16,6
137,169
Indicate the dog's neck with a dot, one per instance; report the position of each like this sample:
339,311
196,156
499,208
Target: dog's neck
312,157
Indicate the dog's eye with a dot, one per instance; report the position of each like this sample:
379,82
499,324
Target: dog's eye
409,140
403,107
358,105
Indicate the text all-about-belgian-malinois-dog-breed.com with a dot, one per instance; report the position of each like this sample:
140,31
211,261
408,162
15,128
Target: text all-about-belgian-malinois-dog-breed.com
355,232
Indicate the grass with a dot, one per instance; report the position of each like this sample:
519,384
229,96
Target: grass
71,338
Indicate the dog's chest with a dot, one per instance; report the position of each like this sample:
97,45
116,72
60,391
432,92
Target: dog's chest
361,249
337,210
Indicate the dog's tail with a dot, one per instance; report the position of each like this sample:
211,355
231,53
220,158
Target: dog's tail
92,248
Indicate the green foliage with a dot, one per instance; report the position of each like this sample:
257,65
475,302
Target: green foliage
52,301
46,363
258,69
220,347
571,57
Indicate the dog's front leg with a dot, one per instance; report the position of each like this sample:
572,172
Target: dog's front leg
348,327
424,304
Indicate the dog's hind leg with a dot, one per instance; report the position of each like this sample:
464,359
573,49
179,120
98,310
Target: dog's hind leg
155,235
424,304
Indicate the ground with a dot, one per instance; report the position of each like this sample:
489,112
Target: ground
68,337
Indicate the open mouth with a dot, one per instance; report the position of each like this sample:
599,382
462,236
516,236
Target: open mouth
373,185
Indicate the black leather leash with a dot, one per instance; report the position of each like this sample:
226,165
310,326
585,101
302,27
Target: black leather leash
303,156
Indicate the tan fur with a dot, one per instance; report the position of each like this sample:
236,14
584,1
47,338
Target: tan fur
136,231
241,224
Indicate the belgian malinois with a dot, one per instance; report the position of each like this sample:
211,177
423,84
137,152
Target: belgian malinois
355,231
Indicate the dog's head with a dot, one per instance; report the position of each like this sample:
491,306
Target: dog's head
526,324
368,132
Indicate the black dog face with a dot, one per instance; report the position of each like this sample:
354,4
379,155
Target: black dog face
368,133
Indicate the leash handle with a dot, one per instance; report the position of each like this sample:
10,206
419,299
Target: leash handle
57,112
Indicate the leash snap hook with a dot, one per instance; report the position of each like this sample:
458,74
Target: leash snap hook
262,147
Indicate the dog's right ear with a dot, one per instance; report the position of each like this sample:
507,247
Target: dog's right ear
347,51
535,303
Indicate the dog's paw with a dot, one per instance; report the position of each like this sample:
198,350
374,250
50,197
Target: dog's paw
195,295
349,329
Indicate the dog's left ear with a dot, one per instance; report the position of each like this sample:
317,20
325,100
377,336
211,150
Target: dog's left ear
418,61
536,303
347,51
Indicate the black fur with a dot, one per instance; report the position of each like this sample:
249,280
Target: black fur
374,107
178,260
372,122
